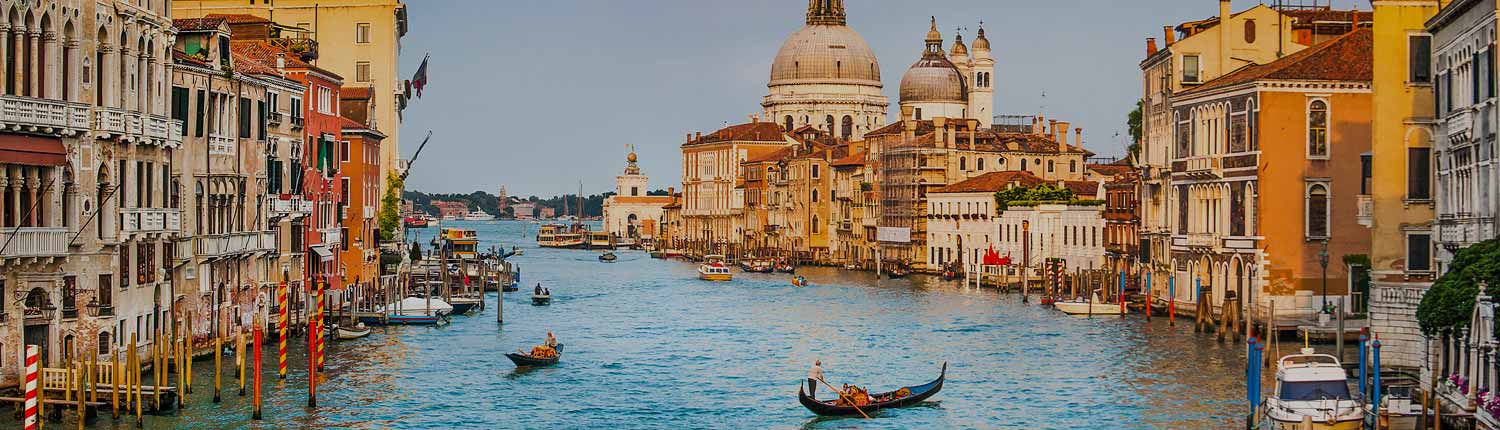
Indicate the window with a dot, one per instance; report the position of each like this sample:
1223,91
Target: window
1073,166
1419,49
1366,173
296,109
362,32
180,106
1050,166
362,71
815,171
1317,129
201,109
325,100
788,125
1419,174
1190,69
979,164
244,118
1317,211
1249,31
919,114
344,151
635,191
1023,164
963,163
1419,252
815,195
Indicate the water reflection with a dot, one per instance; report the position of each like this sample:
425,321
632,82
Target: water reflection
650,346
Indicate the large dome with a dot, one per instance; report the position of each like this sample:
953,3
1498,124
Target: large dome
825,54
933,81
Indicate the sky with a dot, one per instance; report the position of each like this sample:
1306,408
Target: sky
540,95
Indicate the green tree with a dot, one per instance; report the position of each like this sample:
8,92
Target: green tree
1449,303
416,251
1134,123
390,215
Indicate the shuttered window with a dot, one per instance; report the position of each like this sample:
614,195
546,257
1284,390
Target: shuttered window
180,107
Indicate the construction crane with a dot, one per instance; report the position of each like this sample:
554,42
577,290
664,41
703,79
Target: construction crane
414,156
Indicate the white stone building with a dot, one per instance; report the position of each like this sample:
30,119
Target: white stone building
630,213
963,225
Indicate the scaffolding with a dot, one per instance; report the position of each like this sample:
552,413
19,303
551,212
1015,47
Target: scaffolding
903,195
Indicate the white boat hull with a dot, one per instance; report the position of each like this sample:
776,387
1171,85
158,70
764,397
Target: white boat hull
1082,308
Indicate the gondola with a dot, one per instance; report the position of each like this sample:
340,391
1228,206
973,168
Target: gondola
528,360
897,273
918,394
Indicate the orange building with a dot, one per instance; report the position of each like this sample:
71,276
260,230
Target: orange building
1266,172
360,185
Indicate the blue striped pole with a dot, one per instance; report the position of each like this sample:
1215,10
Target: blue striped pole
1363,361
1375,380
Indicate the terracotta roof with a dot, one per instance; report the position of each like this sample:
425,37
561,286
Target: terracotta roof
239,18
1311,16
1346,58
1082,189
346,123
1111,169
246,63
779,154
993,182
266,53
354,93
197,24
182,57
855,159
754,131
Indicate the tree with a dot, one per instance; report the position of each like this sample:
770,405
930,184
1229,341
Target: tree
1134,123
416,251
390,216
1039,193
1449,303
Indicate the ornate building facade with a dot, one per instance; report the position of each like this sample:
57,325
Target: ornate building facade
631,212
826,76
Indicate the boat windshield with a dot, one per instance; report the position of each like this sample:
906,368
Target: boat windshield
1314,390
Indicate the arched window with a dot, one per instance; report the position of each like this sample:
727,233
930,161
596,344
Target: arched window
1023,164
963,163
979,164
815,195
815,223
830,128
1249,31
1050,167
788,125
1317,129
1073,166
848,127
1317,211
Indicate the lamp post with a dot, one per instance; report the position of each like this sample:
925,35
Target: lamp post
1323,261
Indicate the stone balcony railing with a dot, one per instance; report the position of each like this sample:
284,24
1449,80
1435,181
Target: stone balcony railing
1203,166
1460,126
219,245
46,116
294,205
34,242
116,123
1203,240
150,220
220,145
1366,210
331,236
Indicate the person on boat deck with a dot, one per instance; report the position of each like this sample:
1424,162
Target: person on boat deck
814,375
539,288
546,291
551,341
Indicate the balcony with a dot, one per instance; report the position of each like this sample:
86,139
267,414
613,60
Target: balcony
220,145
305,48
117,123
34,242
274,118
1202,167
292,206
150,220
220,245
1460,126
331,236
1463,229
1366,210
297,122
55,117
1203,240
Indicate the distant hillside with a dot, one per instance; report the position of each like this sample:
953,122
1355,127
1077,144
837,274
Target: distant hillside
593,205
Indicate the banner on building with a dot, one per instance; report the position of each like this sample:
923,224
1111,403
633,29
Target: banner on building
893,234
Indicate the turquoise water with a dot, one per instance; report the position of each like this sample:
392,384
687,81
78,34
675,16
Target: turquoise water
649,346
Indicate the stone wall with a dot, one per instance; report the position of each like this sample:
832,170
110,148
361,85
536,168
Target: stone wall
1393,317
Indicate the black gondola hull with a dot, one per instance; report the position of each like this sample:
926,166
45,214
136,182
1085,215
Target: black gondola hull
527,360
918,394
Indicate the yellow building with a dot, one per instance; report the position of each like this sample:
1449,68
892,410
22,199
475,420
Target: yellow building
712,184
1399,207
358,39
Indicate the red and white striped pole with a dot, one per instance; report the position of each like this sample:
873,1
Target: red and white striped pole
281,327
31,386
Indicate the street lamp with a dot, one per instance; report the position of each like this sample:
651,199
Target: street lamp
1323,261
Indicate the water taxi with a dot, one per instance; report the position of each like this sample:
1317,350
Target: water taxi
1312,393
1091,307
714,269
558,236
461,243
600,240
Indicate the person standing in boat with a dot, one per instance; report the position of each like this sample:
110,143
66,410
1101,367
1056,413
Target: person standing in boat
814,375
539,288
551,341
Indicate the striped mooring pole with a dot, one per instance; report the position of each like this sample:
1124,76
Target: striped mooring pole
322,291
281,327
32,351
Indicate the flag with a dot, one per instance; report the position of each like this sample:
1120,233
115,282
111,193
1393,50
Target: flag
419,80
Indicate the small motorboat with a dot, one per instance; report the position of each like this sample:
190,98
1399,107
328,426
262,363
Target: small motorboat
607,257
905,396
897,273
528,360
786,268
541,299
463,305
1312,393
714,269
1094,307
350,333
799,281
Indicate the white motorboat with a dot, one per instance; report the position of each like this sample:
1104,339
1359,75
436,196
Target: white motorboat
478,216
348,333
1312,393
1080,307
541,299
417,306
714,269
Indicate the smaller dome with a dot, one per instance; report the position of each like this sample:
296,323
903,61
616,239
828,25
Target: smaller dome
959,50
932,34
981,43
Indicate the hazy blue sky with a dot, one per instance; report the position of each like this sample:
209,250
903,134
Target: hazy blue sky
542,94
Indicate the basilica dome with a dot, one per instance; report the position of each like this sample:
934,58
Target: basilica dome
825,53
933,78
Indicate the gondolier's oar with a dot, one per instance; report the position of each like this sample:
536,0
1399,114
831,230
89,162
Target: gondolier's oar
845,397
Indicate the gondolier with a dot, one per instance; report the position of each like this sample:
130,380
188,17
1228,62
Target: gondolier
814,376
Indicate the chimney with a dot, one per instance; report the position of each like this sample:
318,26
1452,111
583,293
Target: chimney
1150,46
908,112
973,124
689,138
1052,128
1062,136
671,191
1224,13
752,118
1171,36
281,61
700,136
940,126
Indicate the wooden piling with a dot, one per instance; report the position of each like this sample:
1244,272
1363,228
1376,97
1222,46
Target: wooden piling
218,365
135,370
158,368
182,358
79,363
114,381
188,340
239,356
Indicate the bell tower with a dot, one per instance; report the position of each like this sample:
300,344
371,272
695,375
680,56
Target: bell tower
981,87
632,183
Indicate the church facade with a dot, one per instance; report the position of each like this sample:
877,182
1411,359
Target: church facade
631,213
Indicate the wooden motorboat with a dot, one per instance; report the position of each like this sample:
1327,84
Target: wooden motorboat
608,257
528,360
908,396
348,333
541,299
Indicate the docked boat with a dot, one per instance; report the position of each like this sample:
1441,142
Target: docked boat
897,273
1094,307
757,266
463,305
541,299
478,216
714,269
416,307
349,333
901,397
460,243
1312,393
416,222
558,236
600,240
786,268
529,360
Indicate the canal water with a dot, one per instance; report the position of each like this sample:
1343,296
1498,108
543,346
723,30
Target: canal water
650,346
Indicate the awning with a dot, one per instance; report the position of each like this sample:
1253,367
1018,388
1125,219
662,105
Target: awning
323,253
32,150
